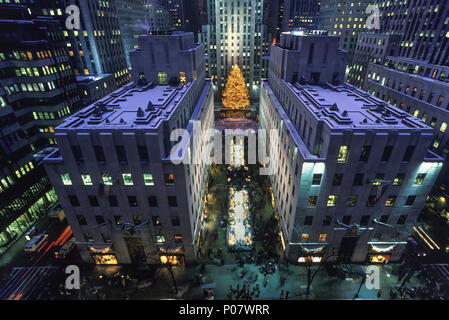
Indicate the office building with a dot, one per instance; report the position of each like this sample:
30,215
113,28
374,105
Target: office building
97,47
352,172
95,87
235,36
37,90
124,197
131,18
344,19
300,15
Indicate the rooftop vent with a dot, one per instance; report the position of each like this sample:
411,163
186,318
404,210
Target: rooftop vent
150,106
334,107
140,113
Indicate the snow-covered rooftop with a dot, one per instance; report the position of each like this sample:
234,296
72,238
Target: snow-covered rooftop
131,106
344,106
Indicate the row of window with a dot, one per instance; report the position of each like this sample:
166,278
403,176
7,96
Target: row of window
364,220
377,181
132,201
119,149
343,154
352,201
177,238
137,220
148,180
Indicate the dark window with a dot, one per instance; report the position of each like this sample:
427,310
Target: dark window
74,201
156,220
99,219
99,154
338,177
358,179
93,201
169,179
384,218
137,220
152,201
308,220
81,220
113,201
364,221
346,220
172,202
371,201
143,154
410,200
408,153
387,153
121,154
175,221
316,179
132,200
118,219
365,153
402,219
76,150
327,221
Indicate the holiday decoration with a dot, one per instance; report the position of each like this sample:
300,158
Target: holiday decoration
235,95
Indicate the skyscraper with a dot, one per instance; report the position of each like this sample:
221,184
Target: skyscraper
97,47
131,18
37,90
344,19
158,19
125,198
300,14
235,36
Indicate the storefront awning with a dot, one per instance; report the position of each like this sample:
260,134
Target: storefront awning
313,247
170,250
383,247
100,248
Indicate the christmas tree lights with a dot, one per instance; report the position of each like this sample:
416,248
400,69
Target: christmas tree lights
235,95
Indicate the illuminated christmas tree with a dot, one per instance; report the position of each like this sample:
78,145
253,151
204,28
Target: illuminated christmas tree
235,95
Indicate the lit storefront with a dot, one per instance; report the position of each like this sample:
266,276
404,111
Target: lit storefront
104,256
311,252
380,252
173,256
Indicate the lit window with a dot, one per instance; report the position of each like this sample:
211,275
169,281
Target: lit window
390,201
66,179
148,179
323,237
398,180
127,179
443,127
162,77
86,179
304,237
312,201
331,201
107,180
169,179
420,179
343,154
160,239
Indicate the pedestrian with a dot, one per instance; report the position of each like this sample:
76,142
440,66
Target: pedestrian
282,294
286,295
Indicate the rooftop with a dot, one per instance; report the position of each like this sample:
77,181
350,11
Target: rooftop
345,107
131,106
